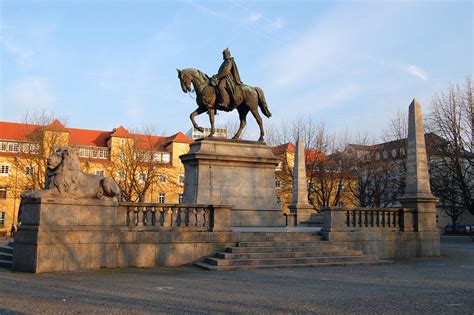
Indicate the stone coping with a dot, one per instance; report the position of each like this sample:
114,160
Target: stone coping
231,141
276,229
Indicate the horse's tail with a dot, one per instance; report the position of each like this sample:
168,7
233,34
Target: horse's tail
262,103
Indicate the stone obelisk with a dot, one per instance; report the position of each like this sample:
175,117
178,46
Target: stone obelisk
417,191
299,205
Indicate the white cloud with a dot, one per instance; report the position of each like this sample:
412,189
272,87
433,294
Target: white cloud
277,24
254,17
30,93
416,72
23,56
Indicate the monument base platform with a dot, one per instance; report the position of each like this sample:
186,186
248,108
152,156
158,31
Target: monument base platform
236,173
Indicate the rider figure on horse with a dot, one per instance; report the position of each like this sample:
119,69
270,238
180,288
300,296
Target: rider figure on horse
227,80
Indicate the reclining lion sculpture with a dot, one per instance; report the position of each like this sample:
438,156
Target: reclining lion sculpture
64,178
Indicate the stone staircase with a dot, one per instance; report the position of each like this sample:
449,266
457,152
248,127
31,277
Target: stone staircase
6,255
258,250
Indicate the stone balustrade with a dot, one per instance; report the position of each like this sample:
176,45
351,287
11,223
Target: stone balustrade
360,219
162,216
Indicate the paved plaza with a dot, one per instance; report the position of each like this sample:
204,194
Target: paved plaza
443,285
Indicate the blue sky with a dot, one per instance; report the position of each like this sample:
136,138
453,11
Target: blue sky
351,64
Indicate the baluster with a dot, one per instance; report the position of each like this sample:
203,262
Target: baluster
178,216
366,223
144,216
383,218
192,216
394,219
347,219
172,216
187,213
167,217
353,218
371,218
129,220
377,218
205,217
153,216
388,218
135,216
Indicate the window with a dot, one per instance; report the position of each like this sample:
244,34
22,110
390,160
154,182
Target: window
34,148
385,154
141,178
394,152
29,170
99,172
93,152
2,219
4,169
310,185
3,192
181,179
180,198
279,200
162,178
340,187
166,157
161,198
277,183
9,146
402,151
279,166
377,155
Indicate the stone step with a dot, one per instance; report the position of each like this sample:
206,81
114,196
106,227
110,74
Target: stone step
326,264
6,256
6,249
6,264
292,254
271,249
290,243
286,261
271,238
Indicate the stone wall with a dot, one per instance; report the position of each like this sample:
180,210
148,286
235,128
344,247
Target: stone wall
388,233
65,235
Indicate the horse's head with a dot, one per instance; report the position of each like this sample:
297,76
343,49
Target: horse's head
185,80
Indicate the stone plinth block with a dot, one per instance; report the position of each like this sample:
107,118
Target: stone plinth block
71,212
236,173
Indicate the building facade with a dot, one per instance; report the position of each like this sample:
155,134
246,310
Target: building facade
146,167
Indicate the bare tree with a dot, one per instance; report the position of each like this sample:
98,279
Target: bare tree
137,164
43,133
451,118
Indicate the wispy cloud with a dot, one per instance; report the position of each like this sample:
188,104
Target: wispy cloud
416,72
254,17
30,93
23,56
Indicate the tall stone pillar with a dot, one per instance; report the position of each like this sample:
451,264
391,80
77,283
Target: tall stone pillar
299,205
418,191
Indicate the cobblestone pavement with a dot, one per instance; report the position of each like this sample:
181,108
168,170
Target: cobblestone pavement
443,285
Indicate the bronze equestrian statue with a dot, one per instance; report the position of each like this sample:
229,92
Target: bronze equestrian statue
233,94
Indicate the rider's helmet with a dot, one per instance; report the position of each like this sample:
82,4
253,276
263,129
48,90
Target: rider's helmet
226,53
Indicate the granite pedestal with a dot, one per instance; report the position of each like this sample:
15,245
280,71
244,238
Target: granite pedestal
236,173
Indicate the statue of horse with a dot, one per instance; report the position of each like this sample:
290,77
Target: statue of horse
207,100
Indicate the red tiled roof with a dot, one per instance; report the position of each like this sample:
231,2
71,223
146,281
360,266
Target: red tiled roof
56,126
286,147
20,132
15,131
180,137
88,137
121,132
